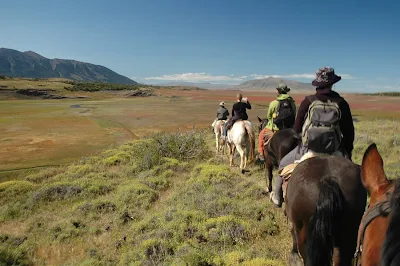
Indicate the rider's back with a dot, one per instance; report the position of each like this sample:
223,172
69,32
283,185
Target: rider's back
239,110
345,123
222,113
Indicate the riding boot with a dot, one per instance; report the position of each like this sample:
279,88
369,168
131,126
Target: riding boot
277,195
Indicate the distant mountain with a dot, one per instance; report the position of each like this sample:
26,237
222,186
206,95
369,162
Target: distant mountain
204,85
272,83
29,64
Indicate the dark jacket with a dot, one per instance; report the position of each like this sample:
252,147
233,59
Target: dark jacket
222,113
239,111
346,122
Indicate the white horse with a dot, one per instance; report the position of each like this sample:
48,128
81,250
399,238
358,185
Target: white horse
218,128
241,137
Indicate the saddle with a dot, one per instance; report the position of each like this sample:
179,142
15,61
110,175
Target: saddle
287,171
267,137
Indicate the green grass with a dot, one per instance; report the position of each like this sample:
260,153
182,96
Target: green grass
162,200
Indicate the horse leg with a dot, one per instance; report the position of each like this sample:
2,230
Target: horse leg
294,258
216,142
242,157
232,150
268,172
301,242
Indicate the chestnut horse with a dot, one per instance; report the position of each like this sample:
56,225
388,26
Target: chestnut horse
281,143
325,201
379,232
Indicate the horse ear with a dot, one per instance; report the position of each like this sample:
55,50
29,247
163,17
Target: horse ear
372,172
259,119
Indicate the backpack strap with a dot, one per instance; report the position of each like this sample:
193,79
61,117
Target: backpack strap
312,98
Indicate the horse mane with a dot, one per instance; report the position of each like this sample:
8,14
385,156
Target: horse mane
391,246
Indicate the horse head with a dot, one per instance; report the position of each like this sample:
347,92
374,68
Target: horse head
263,123
376,218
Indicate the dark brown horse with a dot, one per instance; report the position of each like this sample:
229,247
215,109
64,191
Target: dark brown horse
325,201
379,232
281,143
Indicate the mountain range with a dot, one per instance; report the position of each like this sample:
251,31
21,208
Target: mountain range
29,64
203,85
270,84
267,84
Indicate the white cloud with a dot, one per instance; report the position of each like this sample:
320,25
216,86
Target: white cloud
195,77
296,76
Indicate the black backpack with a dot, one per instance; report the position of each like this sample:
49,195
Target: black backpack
285,115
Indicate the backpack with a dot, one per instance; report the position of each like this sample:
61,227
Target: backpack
285,115
321,131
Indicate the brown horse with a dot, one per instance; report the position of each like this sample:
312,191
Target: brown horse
379,232
281,143
325,201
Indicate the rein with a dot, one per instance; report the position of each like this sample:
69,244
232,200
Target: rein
382,208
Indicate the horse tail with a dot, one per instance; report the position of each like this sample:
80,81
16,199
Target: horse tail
324,224
252,137
391,245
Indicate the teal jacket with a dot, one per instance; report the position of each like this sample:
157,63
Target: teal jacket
273,106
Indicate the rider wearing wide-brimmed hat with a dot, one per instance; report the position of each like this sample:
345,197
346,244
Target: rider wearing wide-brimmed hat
222,113
324,81
271,127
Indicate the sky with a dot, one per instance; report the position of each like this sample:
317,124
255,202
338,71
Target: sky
217,41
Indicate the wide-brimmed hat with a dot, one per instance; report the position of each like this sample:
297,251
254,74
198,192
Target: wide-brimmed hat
222,104
325,76
282,88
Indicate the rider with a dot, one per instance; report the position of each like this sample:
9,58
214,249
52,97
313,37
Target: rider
222,114
238,112
325,78
271,127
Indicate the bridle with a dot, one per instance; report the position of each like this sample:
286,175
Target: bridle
380,209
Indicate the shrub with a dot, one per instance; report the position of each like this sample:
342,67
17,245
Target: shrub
57,191
182,146
154,251
12,189
136,195
226,231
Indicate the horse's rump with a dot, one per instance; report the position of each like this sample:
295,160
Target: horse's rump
313,194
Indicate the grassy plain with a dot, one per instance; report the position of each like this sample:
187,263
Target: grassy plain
157,199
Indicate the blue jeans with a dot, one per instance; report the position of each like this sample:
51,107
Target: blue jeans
289,158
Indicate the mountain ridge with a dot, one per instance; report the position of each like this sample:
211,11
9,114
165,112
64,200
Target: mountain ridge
30,64
270,84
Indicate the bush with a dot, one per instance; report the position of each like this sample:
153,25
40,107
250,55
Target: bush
182,146
57,191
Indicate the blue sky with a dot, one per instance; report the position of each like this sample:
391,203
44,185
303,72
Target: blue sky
215,41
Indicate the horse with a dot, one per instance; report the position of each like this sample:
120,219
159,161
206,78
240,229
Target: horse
241,137
218,127
379,232
325,201
281,143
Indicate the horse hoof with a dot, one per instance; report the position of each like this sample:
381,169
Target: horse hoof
295,259
243,171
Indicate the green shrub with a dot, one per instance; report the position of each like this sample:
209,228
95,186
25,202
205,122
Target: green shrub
15,188
154,251
136,195
226,231
182,146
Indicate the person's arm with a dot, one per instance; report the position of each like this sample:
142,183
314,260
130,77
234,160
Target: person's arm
303,109
271,109
248,105
227,112
233,110
347,127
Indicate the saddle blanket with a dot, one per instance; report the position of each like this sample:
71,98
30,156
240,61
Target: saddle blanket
287,171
